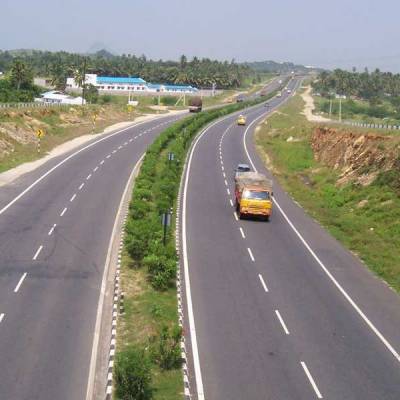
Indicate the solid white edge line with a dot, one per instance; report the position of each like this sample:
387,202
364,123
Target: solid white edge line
282,322
63,211
2,317
96,335
192,326
32,185
251,254
37,252
320,263
242,233
310,378
72,198
20,282
263,283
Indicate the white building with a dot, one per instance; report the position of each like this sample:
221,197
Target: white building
56,97
129,84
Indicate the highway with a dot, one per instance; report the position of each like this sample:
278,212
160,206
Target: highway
55,227
276,310
53,247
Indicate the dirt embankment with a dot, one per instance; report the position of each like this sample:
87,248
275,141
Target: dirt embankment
358,157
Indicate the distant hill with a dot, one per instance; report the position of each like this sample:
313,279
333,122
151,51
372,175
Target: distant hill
281,67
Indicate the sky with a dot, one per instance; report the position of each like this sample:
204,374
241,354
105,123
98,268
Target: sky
328,34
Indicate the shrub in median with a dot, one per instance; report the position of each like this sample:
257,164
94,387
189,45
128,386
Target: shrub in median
166,350
133,375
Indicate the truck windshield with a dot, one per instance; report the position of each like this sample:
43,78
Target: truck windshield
255,195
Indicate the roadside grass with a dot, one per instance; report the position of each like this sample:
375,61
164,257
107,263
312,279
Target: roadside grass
57,130
370,229
145,312
358,111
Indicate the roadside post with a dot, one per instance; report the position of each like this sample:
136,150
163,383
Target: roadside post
94,118
166,222
39,134
130,109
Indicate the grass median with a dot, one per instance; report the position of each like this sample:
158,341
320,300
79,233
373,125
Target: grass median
148,329
364,218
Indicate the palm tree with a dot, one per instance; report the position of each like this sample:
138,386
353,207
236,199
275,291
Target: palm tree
21,74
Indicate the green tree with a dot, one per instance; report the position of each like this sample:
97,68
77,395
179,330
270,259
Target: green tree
21,75
58,75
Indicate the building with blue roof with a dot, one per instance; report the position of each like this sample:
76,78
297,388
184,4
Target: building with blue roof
130,84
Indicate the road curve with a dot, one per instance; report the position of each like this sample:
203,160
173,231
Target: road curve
280,309
53,245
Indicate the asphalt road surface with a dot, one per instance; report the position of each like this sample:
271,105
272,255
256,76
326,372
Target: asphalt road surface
277,310
53,245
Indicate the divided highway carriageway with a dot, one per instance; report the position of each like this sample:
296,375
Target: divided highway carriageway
276,310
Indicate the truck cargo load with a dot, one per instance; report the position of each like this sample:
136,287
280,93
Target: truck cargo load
195,104
253,194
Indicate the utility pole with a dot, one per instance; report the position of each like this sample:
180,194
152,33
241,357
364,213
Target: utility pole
340,109
330,107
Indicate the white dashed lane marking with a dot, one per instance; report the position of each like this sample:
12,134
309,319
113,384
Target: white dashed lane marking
286,330
95,169
264,285
37,252
231,202
236,217
251,254
63,211
88,177
20,282
52,229
72,198
1,317
242,233
228,191
81,186
311,379
102,162
108,156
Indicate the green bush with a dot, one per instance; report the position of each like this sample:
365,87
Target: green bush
133,375
166,351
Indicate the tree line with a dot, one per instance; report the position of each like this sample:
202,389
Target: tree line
371,86
198,72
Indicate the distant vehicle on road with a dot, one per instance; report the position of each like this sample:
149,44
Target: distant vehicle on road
195,104
288,91
263,93
241,120
253,193
240,98
240,169
279,94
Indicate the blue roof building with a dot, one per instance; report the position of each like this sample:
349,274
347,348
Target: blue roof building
120,80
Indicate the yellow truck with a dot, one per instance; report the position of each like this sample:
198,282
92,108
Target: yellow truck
253,193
